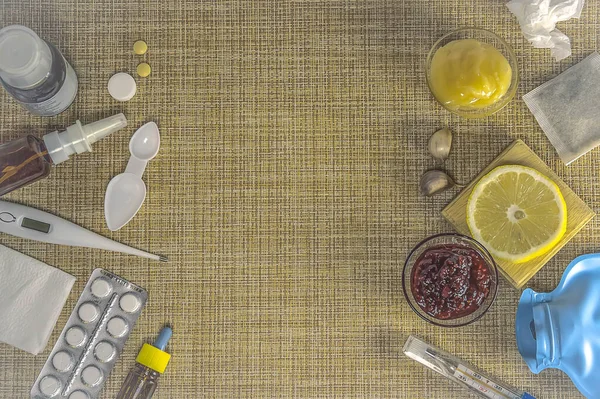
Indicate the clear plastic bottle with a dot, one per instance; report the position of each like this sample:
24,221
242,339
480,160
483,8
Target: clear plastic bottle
34,72
26,160
142,380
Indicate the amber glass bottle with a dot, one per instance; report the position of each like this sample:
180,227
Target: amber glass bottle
22,162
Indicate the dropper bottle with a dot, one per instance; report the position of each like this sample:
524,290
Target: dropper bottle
142,380
28,159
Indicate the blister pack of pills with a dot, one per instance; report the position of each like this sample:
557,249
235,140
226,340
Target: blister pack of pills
92,339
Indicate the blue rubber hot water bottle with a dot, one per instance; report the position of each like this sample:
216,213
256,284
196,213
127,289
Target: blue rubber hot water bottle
561,329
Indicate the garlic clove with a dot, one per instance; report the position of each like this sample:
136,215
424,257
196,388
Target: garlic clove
434,182
440,144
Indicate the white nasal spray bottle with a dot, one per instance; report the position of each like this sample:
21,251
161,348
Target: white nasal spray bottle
79,138
28,159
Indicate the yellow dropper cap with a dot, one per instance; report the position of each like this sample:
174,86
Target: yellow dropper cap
154,356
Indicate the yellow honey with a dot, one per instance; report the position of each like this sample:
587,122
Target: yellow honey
469,74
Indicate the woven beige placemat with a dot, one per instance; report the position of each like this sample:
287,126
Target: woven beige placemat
285,192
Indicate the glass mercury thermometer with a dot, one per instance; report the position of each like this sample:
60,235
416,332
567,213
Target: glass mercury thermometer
460,371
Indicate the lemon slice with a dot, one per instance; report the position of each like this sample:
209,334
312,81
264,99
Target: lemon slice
517,213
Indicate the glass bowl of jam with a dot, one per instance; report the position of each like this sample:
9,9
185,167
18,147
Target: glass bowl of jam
450,280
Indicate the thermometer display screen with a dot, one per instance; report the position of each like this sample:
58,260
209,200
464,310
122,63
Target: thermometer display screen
35,225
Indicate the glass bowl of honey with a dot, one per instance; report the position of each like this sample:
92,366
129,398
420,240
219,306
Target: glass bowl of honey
450,280
472,72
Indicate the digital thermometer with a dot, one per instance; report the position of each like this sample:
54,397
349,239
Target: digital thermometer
33,224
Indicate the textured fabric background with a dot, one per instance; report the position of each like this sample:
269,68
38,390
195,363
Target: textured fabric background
285,192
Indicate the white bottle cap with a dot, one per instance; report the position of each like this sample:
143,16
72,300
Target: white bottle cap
25,59
78,138
122,86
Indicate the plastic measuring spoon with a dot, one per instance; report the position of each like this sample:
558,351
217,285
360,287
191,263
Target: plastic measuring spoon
126,192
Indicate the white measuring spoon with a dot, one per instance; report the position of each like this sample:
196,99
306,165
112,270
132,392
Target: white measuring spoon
126,192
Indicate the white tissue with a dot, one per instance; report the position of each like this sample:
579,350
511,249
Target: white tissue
32,295
538,20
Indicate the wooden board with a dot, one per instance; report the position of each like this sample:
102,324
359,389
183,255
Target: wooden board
578,213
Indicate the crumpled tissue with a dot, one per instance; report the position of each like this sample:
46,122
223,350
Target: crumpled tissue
538,20
32,295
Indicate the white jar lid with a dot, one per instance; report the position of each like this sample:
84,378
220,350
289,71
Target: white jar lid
122,86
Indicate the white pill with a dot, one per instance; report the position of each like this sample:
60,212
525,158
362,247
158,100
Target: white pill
121,86
62,361
101,288
104,351
75,336
117,327
79,395
88,312
91,376
129,303
50,386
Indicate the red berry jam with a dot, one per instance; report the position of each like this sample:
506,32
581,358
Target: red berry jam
450,281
